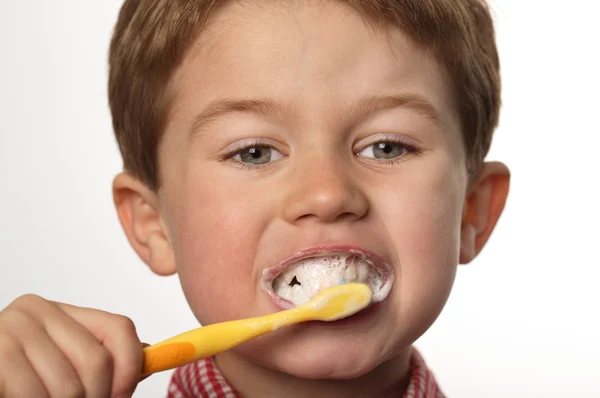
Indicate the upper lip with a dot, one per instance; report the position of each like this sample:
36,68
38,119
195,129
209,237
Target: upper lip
270,273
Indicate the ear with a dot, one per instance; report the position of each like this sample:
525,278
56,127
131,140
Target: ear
484,205
137,207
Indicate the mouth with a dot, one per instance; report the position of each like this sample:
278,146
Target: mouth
300,277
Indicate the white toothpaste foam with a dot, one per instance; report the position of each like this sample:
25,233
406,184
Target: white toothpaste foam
308,277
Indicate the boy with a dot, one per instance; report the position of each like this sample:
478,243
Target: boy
269,145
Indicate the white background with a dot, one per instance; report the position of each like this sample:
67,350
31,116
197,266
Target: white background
523,320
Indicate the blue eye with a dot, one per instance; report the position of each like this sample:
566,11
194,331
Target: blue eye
257,155
385,150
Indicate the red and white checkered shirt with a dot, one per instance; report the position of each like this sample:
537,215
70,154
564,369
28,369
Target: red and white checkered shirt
202,379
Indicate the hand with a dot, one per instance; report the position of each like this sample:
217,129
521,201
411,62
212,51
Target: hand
50,349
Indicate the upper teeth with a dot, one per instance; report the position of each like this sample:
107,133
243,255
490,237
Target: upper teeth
305,279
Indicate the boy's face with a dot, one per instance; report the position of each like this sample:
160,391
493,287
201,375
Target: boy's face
345,137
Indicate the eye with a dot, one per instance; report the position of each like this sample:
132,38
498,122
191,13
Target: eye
385,150
256,155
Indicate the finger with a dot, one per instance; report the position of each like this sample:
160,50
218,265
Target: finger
17,379
52,367
90,359
144,345
118,334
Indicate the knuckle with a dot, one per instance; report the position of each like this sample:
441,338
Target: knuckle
28,300
124,324
100,361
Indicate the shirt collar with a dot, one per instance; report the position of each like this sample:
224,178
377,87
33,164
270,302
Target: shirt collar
202,379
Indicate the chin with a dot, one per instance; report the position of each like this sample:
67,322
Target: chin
329,367
315,352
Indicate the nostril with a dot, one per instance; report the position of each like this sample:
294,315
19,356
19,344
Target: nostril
342,217
349,216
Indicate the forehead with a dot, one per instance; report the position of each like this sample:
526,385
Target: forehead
314,56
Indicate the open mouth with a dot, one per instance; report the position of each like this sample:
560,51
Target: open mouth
296,281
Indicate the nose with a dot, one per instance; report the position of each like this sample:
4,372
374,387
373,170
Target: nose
323,191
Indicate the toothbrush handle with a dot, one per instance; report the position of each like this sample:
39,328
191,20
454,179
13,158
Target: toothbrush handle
210,340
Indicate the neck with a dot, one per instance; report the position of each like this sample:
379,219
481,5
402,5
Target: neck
389,379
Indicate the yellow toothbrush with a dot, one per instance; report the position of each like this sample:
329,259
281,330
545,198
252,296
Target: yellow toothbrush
329,305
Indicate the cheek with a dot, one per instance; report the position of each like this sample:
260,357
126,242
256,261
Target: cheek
214,232
429,231
425,231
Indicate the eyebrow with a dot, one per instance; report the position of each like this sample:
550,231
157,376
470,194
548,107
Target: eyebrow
361,109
